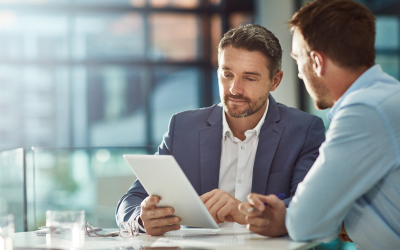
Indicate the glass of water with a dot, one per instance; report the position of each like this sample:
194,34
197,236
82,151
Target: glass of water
66,228
7,230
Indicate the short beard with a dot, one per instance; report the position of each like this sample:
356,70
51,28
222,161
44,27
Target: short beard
321,104
318,88
254,106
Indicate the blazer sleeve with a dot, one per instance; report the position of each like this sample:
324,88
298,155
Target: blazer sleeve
308,155
128,207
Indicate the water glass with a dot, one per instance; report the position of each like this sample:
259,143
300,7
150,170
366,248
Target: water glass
66,228
7,230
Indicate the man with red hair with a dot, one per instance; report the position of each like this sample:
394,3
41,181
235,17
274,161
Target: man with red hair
353,188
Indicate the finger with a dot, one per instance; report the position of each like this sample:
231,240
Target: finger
205,197
214,208
257,201
230,207
162,230
258,221
216,202
223,211
150,202
273,202
156,213
160,222
217,195
257,230
245,207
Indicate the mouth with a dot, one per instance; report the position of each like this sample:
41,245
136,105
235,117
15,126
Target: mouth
237,100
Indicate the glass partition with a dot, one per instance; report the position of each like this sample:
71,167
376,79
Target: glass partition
12,186
92,179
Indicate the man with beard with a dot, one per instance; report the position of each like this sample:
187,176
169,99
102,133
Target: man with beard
249,143
353,188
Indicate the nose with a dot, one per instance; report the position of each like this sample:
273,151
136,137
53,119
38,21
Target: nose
236,87
300,75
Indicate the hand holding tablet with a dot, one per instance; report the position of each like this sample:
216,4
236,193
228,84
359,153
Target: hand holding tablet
161,176
157,220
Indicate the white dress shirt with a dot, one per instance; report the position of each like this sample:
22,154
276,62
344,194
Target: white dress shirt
237,162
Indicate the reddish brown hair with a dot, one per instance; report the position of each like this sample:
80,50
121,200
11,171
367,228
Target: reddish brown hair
344,30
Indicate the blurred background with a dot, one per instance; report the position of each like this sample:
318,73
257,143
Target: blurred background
85,81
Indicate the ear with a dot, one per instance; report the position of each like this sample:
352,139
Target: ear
276,80
318,62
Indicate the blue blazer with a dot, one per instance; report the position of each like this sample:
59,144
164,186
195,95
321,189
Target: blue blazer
288,146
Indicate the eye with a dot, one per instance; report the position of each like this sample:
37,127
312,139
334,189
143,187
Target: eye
250,79
227,74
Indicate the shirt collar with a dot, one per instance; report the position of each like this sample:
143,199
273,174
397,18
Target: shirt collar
226,131
365,80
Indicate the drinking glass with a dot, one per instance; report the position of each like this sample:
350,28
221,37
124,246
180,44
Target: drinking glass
66,228
7,230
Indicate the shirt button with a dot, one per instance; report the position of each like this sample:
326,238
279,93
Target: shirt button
242,147
239,181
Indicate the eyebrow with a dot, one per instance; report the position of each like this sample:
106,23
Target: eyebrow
252,73
246,72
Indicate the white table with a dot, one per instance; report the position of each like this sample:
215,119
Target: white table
227,239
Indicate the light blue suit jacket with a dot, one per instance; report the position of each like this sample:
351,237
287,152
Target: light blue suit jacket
288,146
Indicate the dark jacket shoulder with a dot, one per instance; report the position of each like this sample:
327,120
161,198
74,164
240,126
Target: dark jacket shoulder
294,116
198,117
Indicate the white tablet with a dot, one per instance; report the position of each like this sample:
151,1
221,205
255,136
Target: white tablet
161,175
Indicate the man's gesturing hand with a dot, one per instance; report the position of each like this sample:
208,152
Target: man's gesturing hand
268,220
154,218
223,206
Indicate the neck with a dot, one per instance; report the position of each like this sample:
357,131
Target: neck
239,126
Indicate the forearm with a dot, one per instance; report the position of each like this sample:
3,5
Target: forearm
350,163
130,203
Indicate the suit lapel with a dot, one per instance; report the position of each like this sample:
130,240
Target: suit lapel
270,135
210,151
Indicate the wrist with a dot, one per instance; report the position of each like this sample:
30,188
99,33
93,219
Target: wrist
140,224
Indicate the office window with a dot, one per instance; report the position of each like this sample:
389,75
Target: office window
174,37
81,73
32,36
95,73
388,44
108,36
115,105
187,4
181,85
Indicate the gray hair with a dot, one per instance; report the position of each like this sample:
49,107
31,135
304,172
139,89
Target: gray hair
253,37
